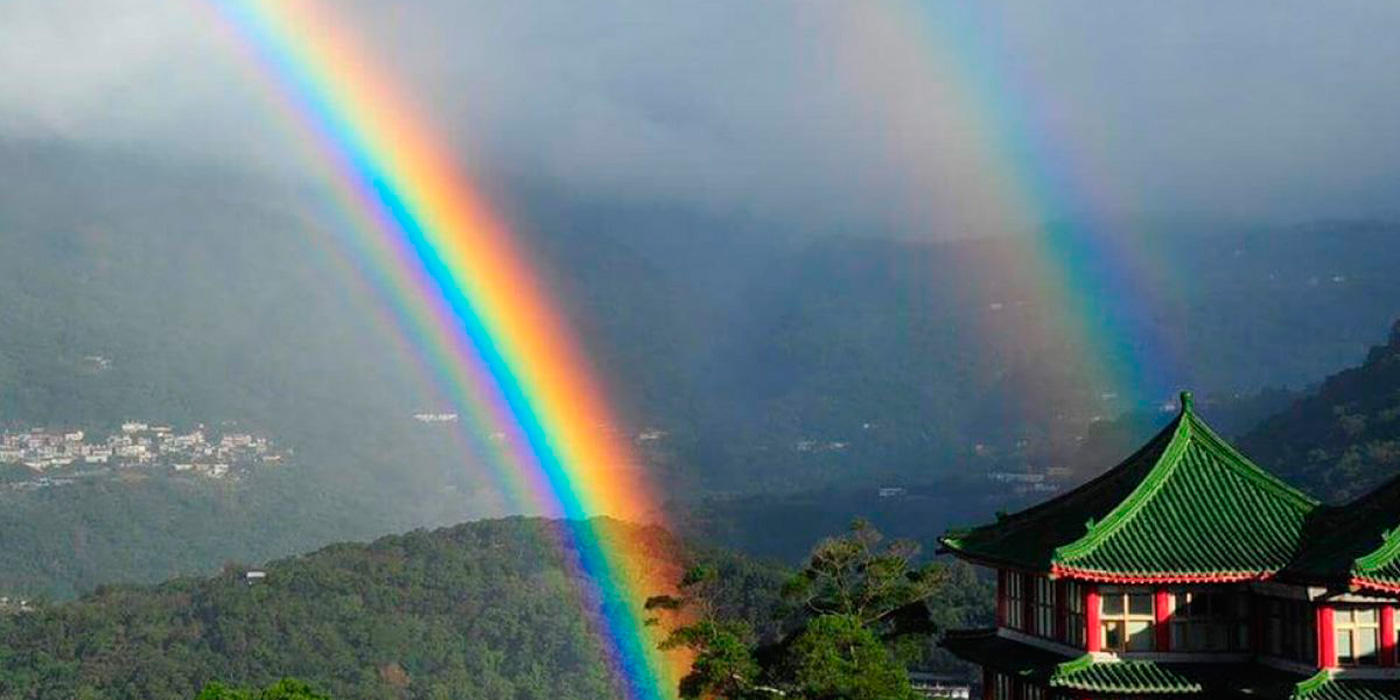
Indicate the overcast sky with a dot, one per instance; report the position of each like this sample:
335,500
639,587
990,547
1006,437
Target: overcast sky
938,117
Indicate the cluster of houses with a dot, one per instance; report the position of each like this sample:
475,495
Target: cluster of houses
138,445
1048,481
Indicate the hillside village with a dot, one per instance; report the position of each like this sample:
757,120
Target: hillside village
58,457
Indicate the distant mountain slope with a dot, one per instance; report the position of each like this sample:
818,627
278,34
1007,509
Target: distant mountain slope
479,611
912,353
741,340
747,359
1344,439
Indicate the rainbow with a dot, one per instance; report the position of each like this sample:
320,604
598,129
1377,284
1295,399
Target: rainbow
1028,175
464,292
1080,263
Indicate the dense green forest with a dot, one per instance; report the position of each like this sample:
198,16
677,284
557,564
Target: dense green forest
485,610
858,613
59,542
285,689
1343,439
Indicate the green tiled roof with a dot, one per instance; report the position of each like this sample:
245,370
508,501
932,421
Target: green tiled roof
1186,505
1359,540
1381,568
1122,677
1088,677
1324,687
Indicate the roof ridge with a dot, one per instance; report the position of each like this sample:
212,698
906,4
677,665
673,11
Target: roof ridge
1013,519
1246,466
1380,556
1311,684
1190,428
1078,663
1122,513
1118,677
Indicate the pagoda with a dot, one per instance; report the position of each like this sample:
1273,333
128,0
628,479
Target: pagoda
1187,571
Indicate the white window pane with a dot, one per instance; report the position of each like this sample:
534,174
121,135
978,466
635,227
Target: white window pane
1140,636
1344,654
1366,651
1365,616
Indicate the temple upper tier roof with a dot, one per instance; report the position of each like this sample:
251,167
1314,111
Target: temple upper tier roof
1185,507
1354,545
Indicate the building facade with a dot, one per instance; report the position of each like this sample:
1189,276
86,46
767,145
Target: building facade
1189,572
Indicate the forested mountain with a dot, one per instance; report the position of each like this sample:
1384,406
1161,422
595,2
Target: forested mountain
1342,440
738,338
748,358
485,610
783,524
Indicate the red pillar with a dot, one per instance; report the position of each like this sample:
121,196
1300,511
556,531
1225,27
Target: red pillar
986,684
1387,636
1326,642
1162,606
1092,641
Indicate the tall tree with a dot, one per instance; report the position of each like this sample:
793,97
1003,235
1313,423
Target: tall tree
853,601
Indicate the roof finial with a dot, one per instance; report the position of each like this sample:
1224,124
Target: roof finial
1186,403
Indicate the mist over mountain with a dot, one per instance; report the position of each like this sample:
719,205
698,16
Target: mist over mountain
766,299
743,356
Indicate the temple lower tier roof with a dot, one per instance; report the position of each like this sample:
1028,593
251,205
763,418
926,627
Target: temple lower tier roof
1086,676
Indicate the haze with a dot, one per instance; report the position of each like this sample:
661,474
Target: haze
862,115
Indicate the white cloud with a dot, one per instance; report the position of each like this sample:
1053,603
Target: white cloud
879,112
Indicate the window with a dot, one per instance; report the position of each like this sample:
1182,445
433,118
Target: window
1015,600
1209,620
1001,687
1358,635
1126,616
1033,692
1043,607
1290,630
1075,619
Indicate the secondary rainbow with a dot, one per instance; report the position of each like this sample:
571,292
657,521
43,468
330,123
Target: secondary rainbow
1033,176
477,310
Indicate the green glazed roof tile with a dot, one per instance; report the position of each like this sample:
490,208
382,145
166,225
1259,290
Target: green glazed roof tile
1028,539
1122,677
1324,687
1359,541
1187,505
1087,677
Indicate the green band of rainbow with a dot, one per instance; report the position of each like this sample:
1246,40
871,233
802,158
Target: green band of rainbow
465,294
